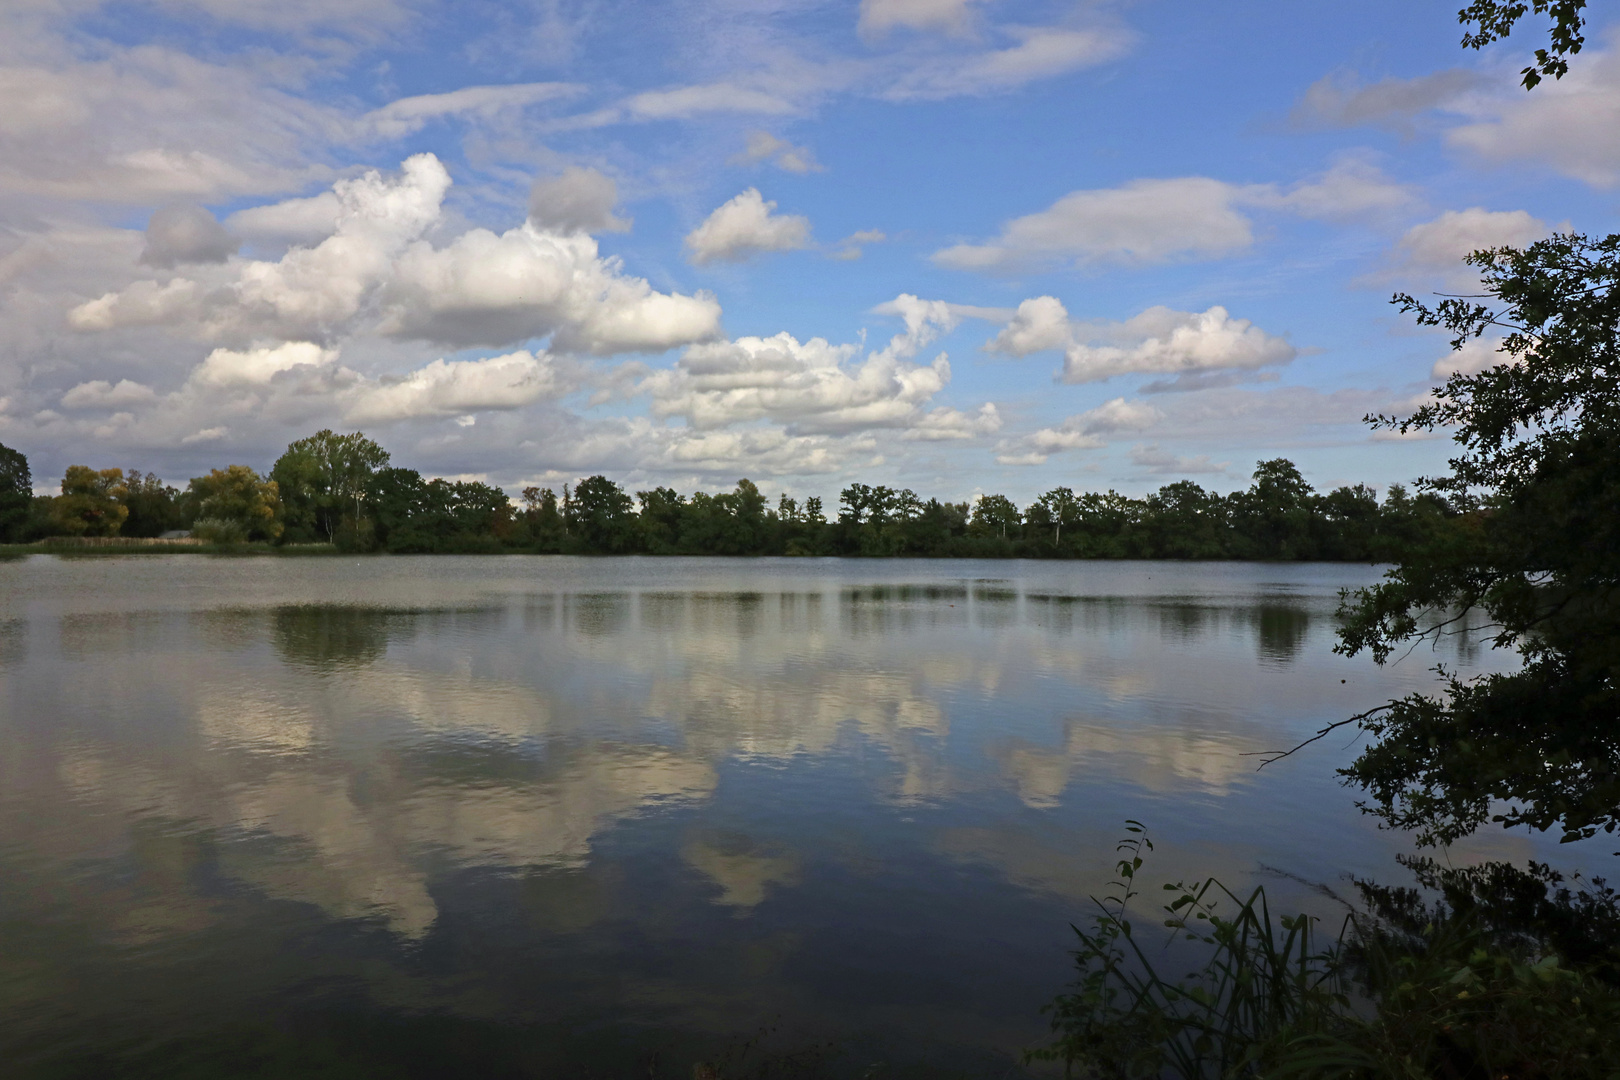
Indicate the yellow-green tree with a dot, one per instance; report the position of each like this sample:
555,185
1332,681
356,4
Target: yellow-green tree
236,503
91,503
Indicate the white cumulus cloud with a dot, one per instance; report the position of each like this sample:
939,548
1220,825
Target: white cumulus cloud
294,221
1436,248
484,289
376,272
310,292
1353,188
744,227
1159,340
458,387
816,387
257,367
812,386
757,450
1041,323
945,422
1571,125
1083,431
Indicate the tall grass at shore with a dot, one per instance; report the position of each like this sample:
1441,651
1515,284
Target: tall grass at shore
1270,997
137,545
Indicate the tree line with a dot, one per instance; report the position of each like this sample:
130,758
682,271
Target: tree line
343,490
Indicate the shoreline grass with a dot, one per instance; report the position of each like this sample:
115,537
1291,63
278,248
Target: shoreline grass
161,547
140,546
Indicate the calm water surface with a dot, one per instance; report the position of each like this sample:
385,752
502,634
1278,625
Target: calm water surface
592,809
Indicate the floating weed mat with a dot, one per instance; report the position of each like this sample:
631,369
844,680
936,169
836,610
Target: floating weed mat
1272,999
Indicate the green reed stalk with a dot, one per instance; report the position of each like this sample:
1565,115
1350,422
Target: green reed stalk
1270,1002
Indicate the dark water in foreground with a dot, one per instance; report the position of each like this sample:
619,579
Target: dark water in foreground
466,816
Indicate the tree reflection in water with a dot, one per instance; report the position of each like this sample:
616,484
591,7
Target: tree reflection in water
533,801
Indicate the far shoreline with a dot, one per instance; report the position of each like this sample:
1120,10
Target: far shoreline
113,546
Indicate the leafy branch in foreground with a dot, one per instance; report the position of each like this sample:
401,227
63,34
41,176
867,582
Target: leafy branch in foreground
1496,18
1444,994
1537,561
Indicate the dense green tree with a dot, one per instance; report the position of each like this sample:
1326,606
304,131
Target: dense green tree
16,494
1276,515
1538,563
860,504
893,521
416,516
601,517
702,524
153,505
1183,521
732,523
400,506
324,477
480,509
900,530
541,519
1105,526
1406,522
872,520
996,515
1347,524
934,527
744,530
1053,512
803,530
660,520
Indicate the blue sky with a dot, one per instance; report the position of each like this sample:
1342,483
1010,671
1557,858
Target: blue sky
957,245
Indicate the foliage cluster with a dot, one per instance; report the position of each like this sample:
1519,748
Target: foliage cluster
1509,973
1493,20
324,479
16,493
1279,517
229,505
1405,991
342,489
1539,564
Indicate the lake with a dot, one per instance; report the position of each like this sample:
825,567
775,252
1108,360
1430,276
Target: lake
612,816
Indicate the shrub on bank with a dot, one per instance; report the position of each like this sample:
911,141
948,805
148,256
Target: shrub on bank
222,531
1383,1000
